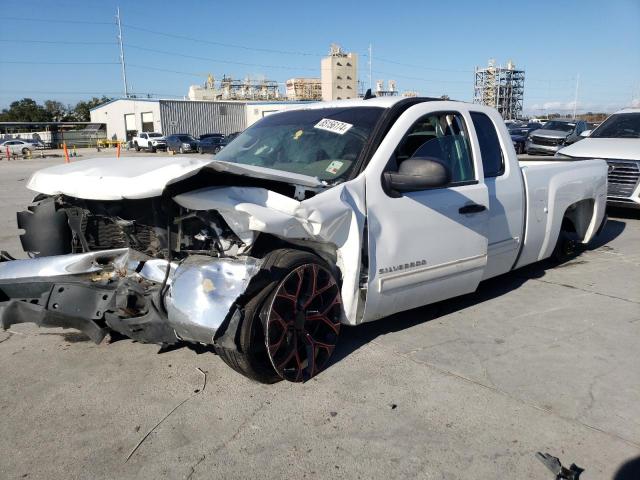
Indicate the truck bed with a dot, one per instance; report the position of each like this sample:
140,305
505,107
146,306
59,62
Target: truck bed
551,188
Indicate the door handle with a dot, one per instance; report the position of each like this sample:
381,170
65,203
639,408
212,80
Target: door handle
472,208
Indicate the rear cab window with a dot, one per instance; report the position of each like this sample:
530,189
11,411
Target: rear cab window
489,141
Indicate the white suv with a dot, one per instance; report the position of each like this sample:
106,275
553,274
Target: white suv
616,140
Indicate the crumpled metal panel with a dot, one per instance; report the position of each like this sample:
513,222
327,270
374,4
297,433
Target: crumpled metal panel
334,217
21,271
202,292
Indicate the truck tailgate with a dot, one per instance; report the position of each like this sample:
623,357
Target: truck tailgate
551,188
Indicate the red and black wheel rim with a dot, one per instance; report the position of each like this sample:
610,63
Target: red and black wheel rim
302,322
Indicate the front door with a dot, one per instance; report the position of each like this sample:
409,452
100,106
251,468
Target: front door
428,245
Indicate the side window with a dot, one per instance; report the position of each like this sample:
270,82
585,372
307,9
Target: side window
443,136
492,158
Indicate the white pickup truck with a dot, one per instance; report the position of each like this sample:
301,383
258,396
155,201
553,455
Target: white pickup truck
150,141
333,214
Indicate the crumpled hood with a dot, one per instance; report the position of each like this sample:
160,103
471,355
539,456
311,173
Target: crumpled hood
550,133
114,179
142,177
617,148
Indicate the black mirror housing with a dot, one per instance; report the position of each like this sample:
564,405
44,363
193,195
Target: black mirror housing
418,173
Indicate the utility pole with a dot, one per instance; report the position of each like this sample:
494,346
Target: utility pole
575,99
370,60
124,69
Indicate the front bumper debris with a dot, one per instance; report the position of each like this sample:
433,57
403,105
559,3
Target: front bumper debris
121,290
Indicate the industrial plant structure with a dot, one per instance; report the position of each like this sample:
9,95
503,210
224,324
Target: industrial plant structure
231,89
304,89
339,75
501,88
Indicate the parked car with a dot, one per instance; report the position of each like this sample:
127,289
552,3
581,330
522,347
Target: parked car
210,135
520,133
554,135
335,213
231,136
181,142
150,141
211,145
17,147
617,140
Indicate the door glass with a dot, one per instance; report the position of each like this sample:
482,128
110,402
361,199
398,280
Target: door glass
442,136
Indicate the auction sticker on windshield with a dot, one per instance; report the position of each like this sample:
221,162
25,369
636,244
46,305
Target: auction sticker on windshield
334,126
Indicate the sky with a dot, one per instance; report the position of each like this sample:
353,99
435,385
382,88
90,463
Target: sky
67,50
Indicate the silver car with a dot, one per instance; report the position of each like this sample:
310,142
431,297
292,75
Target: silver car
555,134
17,147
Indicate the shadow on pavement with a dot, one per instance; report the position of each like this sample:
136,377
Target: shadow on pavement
352,338
629,470
624,213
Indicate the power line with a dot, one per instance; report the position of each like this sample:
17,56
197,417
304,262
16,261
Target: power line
470,81
132,95
42,20
55,42
20,62
221,44
421,67
216,60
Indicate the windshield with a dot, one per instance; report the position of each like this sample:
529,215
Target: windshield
154,135
186,138
620,125
562,126
323,143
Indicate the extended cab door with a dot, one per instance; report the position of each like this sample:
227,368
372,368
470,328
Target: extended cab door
425,246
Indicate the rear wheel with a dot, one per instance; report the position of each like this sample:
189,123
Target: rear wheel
290,327
568,246
136,146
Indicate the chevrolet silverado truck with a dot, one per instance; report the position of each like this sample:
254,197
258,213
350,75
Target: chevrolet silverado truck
150,141
329,215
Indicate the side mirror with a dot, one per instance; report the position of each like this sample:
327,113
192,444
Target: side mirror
586,133
418,173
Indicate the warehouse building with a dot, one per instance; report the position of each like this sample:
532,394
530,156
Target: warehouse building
125,117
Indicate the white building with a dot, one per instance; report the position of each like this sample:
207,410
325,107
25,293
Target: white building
125,117
339,75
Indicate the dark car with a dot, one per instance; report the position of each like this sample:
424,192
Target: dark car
210,135
231,136
519,134
181,142
211,145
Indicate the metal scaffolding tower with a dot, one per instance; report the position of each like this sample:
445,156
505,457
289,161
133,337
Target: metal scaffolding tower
501,88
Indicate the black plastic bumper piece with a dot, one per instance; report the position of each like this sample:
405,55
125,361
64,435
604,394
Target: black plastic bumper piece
17,311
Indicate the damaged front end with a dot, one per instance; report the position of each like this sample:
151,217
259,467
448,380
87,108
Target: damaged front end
148,299
146,268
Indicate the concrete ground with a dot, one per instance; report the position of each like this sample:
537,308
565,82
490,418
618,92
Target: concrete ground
543,359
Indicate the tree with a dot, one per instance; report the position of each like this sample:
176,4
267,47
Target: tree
25,110
57,111
81,112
